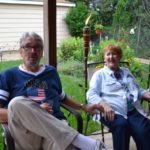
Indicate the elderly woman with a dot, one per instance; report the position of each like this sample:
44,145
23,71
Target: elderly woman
115,90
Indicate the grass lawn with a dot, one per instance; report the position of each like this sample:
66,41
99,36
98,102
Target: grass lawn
1,139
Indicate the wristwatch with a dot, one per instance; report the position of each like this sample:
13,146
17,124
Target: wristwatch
82,106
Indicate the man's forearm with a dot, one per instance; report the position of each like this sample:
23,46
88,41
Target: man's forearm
73,103
3,115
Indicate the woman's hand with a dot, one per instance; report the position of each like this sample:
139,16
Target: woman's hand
47,107
109,113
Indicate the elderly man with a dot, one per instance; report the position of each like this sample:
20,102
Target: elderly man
28,92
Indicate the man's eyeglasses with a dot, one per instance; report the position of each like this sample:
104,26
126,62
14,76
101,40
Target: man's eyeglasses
30,48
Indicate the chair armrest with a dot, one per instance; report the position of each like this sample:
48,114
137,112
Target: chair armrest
9,142
77,115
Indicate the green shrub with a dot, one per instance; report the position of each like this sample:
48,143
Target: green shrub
71,49
73,68
75,19
97,51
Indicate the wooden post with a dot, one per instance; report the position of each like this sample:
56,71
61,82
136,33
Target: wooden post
50,50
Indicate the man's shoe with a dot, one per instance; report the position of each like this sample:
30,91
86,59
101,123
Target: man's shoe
100,146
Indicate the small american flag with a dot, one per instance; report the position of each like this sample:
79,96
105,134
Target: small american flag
36,94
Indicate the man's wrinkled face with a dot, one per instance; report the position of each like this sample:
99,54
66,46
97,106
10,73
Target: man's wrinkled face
31,52
112,59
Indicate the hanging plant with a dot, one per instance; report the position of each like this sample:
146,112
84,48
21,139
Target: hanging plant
99,28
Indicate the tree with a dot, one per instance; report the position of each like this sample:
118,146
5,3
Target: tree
118,18
75,19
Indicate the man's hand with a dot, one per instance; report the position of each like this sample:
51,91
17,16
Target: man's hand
47,107
109,113
92,108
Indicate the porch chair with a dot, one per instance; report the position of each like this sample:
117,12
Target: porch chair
9,143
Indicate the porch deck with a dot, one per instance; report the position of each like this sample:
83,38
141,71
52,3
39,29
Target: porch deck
108,141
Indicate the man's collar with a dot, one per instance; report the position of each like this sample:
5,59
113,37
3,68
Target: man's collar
42,68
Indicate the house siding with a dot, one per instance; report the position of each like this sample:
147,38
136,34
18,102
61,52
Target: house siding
62,31
16,18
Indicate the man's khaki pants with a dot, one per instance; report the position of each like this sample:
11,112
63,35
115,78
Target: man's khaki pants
34,129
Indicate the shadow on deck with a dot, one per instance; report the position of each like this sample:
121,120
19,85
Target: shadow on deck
108,141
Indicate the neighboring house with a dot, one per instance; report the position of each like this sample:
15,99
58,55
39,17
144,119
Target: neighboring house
17,16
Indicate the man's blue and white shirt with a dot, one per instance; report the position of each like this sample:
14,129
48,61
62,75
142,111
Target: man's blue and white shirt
40,87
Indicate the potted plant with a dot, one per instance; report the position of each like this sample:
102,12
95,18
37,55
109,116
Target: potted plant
98,28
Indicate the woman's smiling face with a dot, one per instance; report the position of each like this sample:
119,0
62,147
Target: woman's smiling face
112,57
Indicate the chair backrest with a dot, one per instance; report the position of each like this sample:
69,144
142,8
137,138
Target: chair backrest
94,66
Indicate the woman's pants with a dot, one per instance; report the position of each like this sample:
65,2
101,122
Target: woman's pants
136,125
